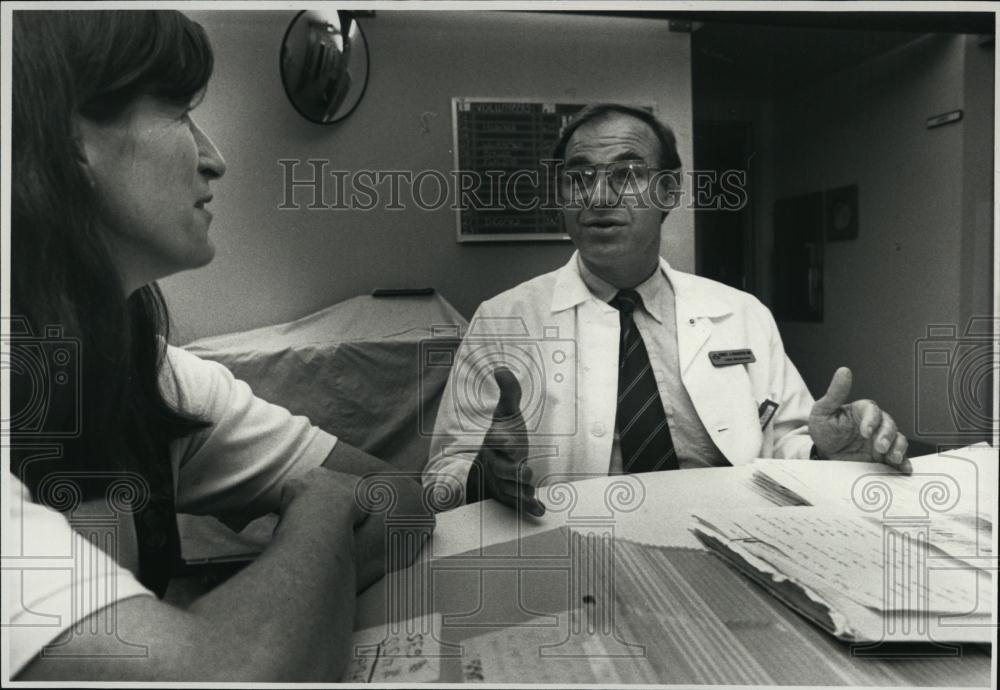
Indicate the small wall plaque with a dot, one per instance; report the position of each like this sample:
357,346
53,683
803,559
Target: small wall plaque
841,213
944,119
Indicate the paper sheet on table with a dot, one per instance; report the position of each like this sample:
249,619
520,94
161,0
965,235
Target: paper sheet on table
959,482
834,554
411,654
546,654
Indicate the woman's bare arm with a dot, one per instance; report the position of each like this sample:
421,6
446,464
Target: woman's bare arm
288,616
400,519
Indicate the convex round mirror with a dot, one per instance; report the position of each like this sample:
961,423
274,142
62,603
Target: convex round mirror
324,64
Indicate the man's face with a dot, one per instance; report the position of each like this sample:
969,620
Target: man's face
618,235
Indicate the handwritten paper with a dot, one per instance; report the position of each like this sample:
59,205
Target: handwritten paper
550,654
838,554
409,653
963,537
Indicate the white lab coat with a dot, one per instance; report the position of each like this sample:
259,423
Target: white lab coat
562,344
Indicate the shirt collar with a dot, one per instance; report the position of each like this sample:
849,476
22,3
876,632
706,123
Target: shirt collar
657,297
570,290
599,288
690,298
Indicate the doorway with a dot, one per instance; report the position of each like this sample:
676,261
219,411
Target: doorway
724,233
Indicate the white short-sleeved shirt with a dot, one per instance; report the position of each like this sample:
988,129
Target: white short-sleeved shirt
80,561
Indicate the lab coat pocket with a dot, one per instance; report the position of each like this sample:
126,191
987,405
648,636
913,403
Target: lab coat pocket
729,412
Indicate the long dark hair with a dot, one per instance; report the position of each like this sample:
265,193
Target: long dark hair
108,411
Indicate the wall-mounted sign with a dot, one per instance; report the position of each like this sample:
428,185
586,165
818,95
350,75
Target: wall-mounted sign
505,191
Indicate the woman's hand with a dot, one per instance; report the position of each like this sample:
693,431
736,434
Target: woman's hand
325,497
397,526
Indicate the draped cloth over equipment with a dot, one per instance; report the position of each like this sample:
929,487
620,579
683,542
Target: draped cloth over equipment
369,370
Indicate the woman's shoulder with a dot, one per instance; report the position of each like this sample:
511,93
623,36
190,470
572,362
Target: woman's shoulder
188,381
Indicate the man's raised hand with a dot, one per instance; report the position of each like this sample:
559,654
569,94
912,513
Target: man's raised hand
501,459
860,430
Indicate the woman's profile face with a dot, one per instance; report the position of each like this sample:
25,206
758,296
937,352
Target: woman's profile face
152,169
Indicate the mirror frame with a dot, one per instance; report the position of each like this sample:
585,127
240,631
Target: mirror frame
343,15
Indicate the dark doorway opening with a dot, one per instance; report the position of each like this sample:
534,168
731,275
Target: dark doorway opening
723,219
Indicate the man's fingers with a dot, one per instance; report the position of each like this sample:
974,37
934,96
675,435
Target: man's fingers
522,496
837,393
518,491
897,455
509,404
869,419
534,507
506,468
508,441
883,439
524,473
519,496
506,463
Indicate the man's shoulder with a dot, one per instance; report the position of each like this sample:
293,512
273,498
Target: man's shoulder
534,293
737,299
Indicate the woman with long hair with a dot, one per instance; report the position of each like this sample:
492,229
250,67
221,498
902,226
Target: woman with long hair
111,180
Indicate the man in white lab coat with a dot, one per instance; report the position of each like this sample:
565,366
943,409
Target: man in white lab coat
617,362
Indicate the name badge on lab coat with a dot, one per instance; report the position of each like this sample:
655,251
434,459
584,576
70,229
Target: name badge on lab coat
727,358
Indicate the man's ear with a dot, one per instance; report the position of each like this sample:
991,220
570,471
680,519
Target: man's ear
668,192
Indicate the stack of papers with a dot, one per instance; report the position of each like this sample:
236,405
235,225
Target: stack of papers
859,579
870,554
959,482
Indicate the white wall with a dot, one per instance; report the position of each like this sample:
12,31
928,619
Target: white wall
924,251
273,266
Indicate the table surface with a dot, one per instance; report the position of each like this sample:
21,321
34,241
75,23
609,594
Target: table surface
485,572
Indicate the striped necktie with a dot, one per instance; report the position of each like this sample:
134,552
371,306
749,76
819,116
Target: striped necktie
643,432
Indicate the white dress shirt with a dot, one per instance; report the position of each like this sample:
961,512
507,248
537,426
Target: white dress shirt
656,324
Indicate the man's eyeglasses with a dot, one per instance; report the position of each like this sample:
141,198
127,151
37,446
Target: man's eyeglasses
630,177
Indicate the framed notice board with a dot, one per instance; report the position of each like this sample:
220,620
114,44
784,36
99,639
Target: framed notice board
505,191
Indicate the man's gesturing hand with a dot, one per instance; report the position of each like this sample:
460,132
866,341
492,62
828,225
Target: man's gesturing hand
855,431
505,448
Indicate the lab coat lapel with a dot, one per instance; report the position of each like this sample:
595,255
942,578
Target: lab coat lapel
693,313
723,398
692,334
594,326
598,384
